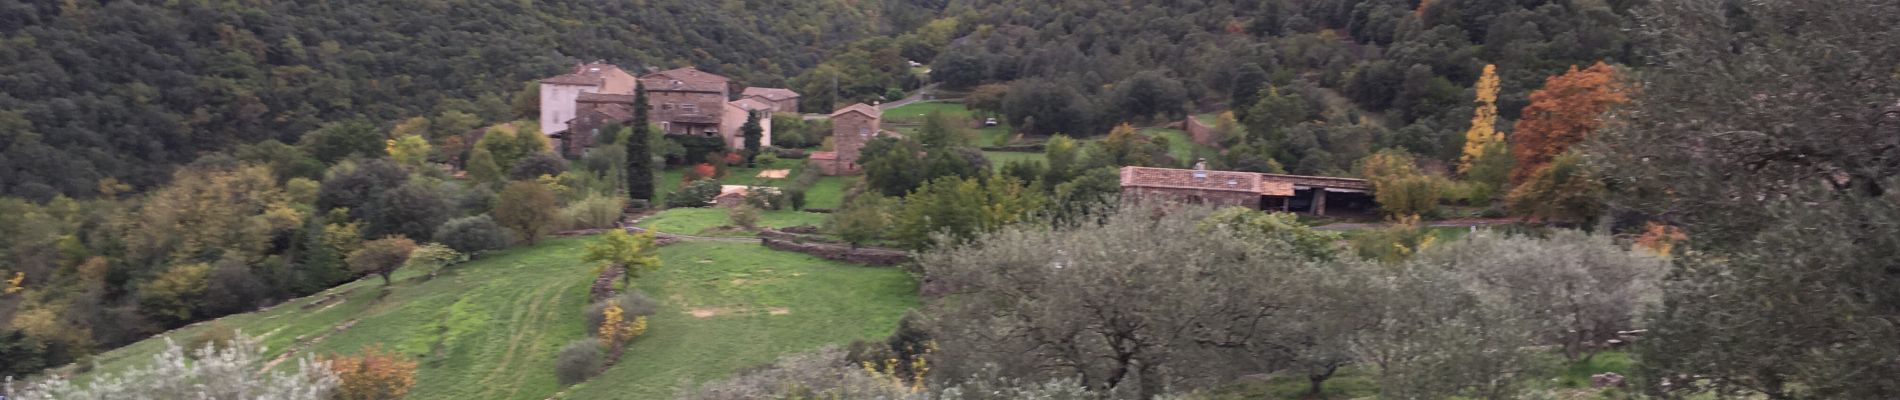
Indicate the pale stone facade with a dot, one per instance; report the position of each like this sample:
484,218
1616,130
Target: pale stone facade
851,128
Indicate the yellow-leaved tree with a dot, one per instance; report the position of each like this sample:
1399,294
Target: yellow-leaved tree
409,150
632,253
1484,121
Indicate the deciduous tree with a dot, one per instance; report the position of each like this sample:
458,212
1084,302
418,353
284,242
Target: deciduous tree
381,256
527,207
631,253
1569,108
1483,132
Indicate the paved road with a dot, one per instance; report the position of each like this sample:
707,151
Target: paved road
915,96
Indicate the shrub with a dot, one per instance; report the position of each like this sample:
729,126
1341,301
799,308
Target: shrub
594,211
579,360
795,198
218,337
374,375
633,303
766,159
537,165
743,216
697,194
472,235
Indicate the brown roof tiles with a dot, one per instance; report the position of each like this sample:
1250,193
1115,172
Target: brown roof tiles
687,79
773,94
861,108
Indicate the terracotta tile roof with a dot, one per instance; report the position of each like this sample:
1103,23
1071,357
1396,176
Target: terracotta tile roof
604,98
1321,181
1226,181
861,108
751,104
687,79
585,75
773,94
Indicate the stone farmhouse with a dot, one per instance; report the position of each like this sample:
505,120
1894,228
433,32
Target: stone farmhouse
1273,192
781,100
851,127
684,101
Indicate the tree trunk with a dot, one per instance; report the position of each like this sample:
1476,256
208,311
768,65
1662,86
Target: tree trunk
1316,381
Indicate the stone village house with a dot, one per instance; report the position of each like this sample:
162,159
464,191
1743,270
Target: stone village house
851,127
683,101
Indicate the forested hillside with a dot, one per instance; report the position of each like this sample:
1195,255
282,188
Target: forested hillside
91,90
1347,76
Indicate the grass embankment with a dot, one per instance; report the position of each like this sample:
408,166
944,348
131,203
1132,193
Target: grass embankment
490,329
713,221
732,306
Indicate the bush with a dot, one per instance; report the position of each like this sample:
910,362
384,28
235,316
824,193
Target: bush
697,194
634,303
595,211
536,165
743,216
579,360
218,337
766,159
472,235
795,198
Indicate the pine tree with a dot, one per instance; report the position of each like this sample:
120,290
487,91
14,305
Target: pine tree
640,150
1484,121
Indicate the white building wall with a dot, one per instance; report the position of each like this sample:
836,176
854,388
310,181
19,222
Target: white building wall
557,105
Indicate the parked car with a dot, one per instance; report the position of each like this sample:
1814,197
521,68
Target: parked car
989,122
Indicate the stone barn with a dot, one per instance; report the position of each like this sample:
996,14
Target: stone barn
1271,192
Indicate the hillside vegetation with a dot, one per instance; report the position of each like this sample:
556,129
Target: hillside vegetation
491,328
127,89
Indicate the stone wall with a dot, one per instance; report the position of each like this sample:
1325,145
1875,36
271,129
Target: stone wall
840,252
1216,198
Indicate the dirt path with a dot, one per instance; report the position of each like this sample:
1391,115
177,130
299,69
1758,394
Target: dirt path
305,344
915,96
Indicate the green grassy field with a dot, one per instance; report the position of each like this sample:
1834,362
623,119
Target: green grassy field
827,193
490,329
1180,146
999,158
733,306
914,113
701,221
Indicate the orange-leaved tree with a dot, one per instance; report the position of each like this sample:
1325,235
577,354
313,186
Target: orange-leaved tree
375,374
1567,108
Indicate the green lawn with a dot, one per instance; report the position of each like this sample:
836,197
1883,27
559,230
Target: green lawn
999,158
490,329
753,306
1180,146
827,193
914,113
702,221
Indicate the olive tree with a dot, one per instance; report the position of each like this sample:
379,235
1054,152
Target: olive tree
1769,132
1134,304
1578,289
228,372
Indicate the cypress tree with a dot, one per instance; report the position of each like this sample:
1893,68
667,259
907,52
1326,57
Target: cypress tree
753,133
640,150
